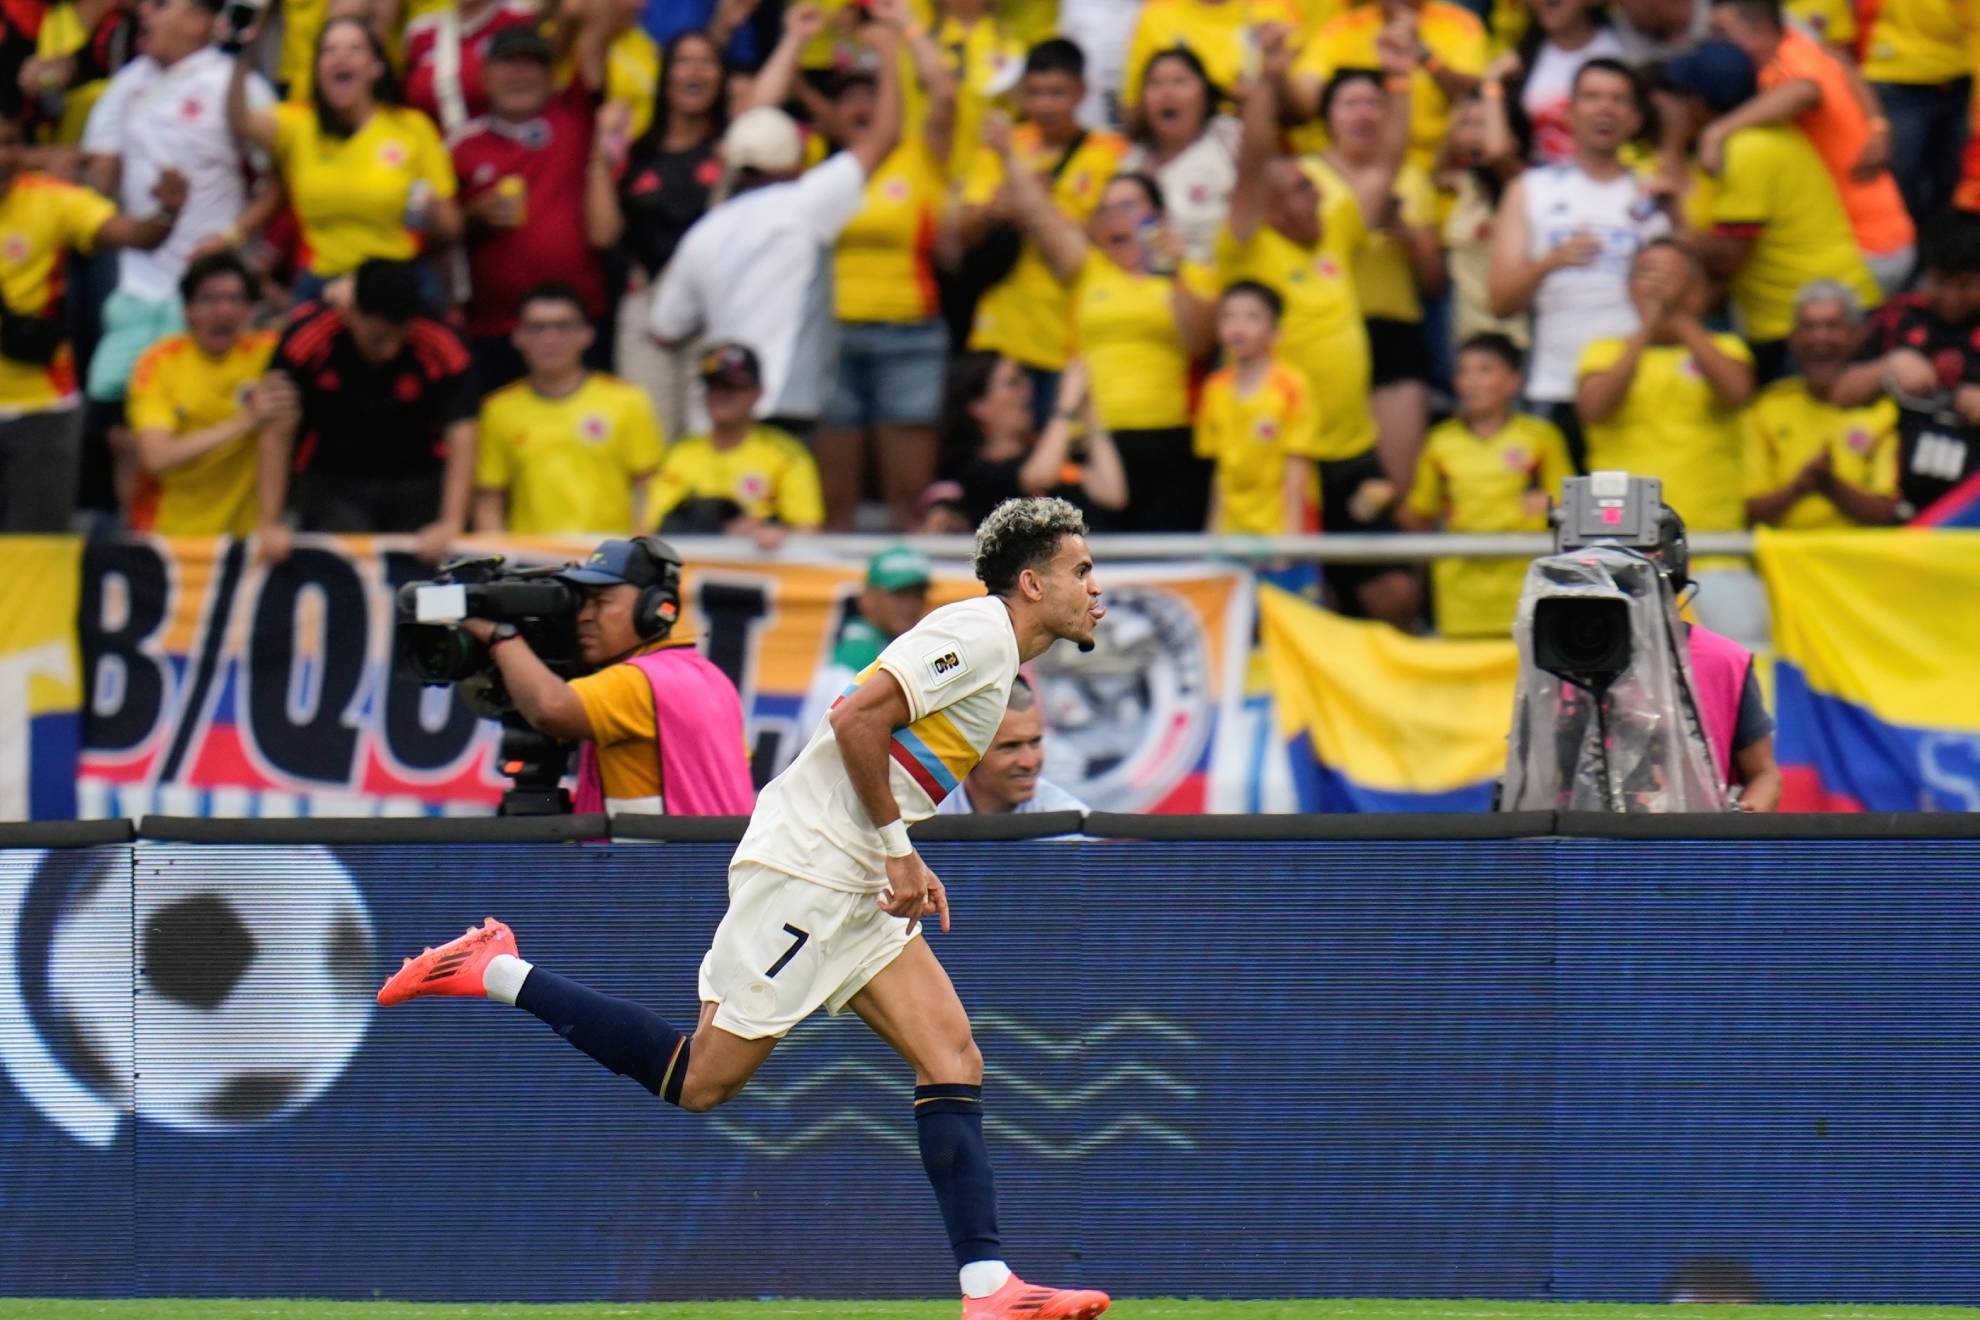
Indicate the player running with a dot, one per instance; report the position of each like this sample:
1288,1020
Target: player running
826,892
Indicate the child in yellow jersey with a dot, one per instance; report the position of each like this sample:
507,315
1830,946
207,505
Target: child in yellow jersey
1488,469
1258,422
742,479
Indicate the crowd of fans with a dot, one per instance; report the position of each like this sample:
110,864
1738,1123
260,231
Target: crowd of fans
1253,266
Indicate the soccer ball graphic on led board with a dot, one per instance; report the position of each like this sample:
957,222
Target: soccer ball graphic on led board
253,982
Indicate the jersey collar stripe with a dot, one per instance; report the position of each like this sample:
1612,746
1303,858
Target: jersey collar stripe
923,767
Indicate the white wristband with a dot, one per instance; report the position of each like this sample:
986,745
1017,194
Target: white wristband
894,839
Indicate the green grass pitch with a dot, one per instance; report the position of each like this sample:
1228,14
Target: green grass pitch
1126,1309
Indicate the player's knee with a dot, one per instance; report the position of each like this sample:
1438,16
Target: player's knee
960,1063
700,1097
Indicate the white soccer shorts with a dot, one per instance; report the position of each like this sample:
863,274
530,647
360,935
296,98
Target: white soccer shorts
786,946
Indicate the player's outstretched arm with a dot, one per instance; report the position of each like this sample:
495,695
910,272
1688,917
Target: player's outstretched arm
863,725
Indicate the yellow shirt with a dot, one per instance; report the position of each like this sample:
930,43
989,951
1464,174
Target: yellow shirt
350,194
1670,425
176,387
1321,332
1028,316
1452,33
883,268
302,20
1786,428
1219,32
632,77
42,220
618,704
1474,483
1775,187
983,56
1919,41
1832,21
1124,326
569,464
1032,20
1251,437
1384,279
769,475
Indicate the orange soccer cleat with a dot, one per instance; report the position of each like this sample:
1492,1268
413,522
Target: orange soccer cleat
1018,1300
455,968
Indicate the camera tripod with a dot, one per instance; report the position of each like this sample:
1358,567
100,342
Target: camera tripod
535,764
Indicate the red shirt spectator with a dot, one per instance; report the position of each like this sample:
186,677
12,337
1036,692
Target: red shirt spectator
445,52
532,151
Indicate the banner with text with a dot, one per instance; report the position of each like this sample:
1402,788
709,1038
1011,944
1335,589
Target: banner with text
220,686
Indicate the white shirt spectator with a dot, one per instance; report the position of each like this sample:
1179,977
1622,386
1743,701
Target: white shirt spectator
757,270
1196,185
1047,797
1101,29
1640,48
1578,303
153,118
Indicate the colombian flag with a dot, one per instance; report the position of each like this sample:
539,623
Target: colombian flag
1875,636
1378,721
40,677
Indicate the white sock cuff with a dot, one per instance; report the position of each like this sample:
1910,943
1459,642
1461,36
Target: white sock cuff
980,1278
502,980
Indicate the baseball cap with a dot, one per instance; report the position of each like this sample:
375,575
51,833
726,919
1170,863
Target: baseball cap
938,494
610,564
1715,71
519,43
731,364
765,139
897,568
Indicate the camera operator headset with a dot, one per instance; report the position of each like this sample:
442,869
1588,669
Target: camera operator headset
1738,729
662,727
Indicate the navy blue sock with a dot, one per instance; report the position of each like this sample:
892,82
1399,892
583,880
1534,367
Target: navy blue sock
632,1041
948,1117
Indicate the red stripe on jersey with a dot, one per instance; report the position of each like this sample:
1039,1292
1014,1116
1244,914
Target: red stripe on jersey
916,771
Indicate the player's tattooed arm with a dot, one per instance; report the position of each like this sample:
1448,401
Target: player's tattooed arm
863,725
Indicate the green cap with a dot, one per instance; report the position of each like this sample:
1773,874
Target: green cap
896,568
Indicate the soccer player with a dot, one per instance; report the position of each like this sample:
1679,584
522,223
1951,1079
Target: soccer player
826,894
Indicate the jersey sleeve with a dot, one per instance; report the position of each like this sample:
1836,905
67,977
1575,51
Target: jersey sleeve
640,446
1756,454
672,484
1556,464
1753,722
294,121
831,195
493,469
1426,492
149,408
937,664
1302,421
1743,203
431,163
103,132
800,501
618,704
83,213
1597,354
1207,435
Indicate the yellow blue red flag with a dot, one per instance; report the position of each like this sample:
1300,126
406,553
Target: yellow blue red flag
1378,721
40,677
1875,635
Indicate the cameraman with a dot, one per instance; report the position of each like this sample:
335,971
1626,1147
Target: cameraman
662,728
1738,729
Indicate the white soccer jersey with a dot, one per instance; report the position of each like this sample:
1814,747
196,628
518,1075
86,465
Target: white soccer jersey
956,667
1578,303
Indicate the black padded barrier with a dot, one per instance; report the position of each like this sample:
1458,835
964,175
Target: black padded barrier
64,833
1444,825
373,829
1038,825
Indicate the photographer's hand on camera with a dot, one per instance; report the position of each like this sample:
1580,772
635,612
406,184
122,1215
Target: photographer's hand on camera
546,701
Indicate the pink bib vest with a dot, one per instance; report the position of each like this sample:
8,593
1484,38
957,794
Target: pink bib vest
1718,676
698,729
